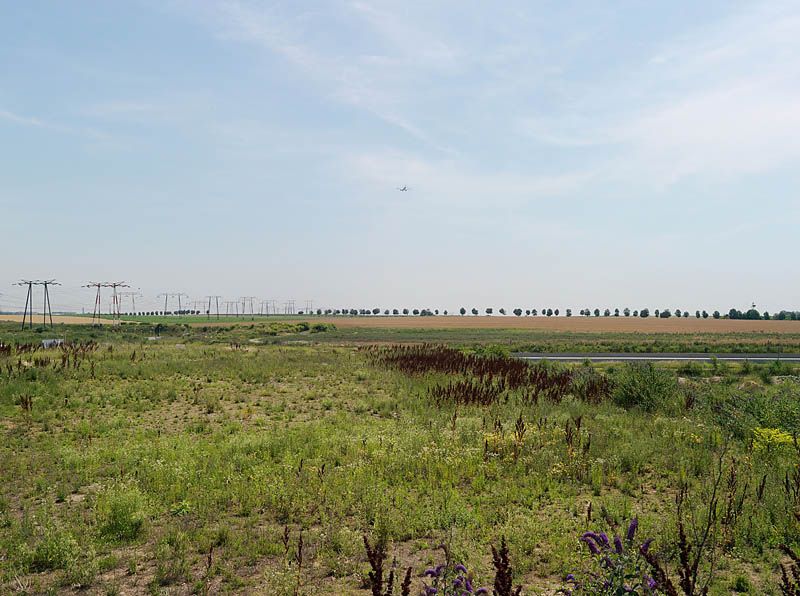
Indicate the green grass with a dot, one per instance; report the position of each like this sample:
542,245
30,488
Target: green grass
126,478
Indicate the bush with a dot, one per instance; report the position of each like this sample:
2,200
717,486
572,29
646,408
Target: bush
643,385
57,549
121,513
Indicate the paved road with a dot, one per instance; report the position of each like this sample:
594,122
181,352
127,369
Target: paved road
655,357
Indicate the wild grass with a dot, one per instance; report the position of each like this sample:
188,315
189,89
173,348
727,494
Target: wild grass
177,466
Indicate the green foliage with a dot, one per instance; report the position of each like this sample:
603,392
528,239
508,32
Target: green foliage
56,549
645,386
121,513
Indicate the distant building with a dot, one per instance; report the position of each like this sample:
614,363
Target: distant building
52,343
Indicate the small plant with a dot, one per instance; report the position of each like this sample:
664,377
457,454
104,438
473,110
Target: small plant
503,573
377,556
121,513
449,579
617,566
57,549
645,386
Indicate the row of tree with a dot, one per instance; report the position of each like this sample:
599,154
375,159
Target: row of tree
644,313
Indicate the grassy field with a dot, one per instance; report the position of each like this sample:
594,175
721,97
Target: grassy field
254,458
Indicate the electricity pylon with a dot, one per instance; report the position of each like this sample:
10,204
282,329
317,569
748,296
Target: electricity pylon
216,302
169,295
46,309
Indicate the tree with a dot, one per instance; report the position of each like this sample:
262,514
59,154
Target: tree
518,312
657,313
569,312
395,311
534,312
627,312
587,312
616,312
415,311
376,311
463,311
665,314
597,312
697,314
636,313
716,314
436,312
607,313
527,312
555,312
489,310
644,313
386,312
405,311
686,314
475,311
549,312
705,314
502,311
678,313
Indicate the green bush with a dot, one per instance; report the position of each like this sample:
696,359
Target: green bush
57,549
121,513
645,386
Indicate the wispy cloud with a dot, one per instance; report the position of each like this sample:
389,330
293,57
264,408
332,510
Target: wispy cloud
34,122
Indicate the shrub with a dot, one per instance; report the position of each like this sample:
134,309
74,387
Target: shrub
121,513
645,386
57,549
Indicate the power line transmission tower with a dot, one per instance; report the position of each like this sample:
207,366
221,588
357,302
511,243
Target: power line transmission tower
133,296
96,311
46,309
228,309
248,302
309,306
116,301
288,307
168,295
216,300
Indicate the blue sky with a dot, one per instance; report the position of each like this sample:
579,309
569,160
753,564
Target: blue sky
559,153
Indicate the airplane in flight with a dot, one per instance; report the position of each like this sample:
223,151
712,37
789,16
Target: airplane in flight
402,188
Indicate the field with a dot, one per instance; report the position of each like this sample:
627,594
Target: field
254,458
545,324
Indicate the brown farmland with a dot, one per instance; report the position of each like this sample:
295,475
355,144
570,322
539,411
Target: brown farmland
57,319
566,324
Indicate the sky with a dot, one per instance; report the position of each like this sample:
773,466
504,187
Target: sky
558,153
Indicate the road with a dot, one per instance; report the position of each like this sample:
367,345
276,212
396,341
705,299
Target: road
655,357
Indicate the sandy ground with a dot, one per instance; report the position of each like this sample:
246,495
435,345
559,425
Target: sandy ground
57,319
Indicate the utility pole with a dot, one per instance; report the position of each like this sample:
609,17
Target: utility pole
216,300
133,296
248,301
46,309
116,300
168,295
230,311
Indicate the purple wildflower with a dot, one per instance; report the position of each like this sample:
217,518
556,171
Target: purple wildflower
431,573
461,568
590,543
618,545
632,529
645,546
481,591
